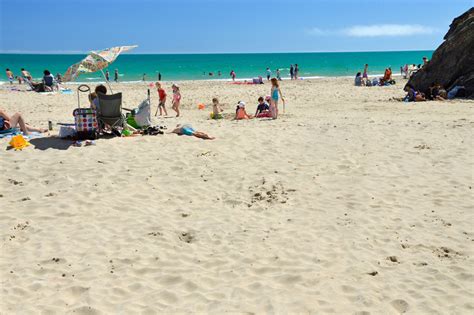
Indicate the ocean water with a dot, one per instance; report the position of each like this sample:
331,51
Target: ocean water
198,66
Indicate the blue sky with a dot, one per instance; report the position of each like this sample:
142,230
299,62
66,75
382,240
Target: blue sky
200,26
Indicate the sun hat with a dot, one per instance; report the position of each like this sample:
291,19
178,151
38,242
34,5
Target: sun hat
241,104
267,98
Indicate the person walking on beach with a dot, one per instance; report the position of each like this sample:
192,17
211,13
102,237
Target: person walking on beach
275,94
278,75
176,99
116,75
269,74
9,75
232,75
26,74
162,99
292,72
297,70
107,76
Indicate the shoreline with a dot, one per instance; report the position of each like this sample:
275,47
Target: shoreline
240,80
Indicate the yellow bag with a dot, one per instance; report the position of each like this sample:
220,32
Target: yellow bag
18,142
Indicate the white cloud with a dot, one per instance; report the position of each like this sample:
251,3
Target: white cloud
382,30
315,31
377,30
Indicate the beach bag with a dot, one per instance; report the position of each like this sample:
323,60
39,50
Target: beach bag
85,120
66,132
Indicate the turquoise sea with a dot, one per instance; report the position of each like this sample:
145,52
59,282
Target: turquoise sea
198,66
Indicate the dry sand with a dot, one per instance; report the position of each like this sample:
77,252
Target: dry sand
349,203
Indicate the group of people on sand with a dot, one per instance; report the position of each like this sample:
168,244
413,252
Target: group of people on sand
48,83
266,108
175,102
436,92
362,79
408,70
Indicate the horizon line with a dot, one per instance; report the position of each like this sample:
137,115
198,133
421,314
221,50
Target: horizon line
204,53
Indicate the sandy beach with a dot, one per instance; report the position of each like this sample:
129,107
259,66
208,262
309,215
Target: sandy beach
349,203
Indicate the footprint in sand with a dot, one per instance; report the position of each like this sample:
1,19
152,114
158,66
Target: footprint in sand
400,305
186,237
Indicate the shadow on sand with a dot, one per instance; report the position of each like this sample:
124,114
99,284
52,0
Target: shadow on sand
51,143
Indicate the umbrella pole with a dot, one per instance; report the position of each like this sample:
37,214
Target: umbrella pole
107,81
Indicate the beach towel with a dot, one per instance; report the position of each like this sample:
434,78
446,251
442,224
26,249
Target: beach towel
7,133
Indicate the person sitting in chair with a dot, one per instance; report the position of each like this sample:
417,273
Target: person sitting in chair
48,81
94,100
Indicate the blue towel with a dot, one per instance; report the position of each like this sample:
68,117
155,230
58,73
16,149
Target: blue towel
9,132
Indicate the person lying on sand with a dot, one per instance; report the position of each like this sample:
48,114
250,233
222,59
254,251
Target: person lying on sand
7,122
413,95
188,130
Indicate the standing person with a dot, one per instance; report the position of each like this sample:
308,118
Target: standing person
292,72
269,74
176,99
26,74
278,74
365,75
219,73
162,99
9,75
232,75
297,70
275,94
144,77
425,61
107,76
159,76
116,75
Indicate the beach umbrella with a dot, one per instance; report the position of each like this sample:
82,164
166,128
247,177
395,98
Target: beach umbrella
95,61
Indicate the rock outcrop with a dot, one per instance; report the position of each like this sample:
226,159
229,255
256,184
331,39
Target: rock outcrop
452,62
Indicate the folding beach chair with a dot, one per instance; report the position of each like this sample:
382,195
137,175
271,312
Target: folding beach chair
110,111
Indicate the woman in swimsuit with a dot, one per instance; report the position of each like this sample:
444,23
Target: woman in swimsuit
275,95
7,122
188,130
176,99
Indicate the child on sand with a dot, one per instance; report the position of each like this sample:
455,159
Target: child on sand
216,109
240,112
162,99
263,109
275,94
176,99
